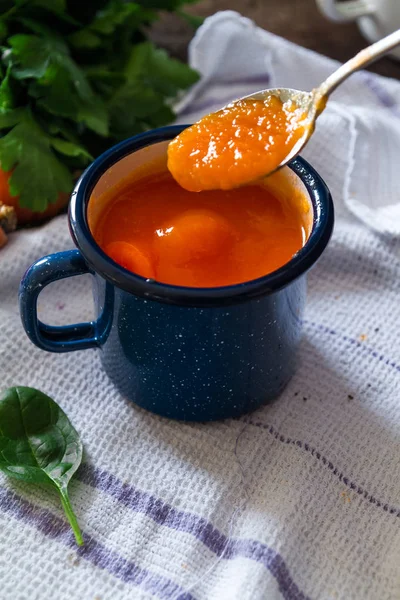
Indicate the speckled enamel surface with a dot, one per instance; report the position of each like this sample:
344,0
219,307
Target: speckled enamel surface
184,353
202,363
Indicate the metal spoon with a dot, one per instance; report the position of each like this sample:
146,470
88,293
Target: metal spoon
311,104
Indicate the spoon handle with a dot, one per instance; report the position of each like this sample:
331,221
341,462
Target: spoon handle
360,60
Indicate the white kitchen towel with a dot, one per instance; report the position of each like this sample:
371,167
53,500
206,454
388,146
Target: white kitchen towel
298,500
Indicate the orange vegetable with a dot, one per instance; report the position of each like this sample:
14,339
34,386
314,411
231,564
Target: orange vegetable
196,234
188,245
234,146
130,257
26,216
3,237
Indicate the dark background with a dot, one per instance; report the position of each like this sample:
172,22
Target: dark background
297,20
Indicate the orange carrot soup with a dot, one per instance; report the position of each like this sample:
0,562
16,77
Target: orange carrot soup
243,142
155,228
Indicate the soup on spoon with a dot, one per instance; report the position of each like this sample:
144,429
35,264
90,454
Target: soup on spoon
254,136
239,144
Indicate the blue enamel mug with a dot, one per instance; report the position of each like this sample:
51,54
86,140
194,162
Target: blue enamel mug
195,354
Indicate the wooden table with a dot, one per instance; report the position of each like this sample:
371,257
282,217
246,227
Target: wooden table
297,20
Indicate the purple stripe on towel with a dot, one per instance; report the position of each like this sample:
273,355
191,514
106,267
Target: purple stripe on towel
184,522
380,92
366,349
93,551
327,463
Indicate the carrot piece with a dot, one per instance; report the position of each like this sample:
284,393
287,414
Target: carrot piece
197,234
3,237
131,257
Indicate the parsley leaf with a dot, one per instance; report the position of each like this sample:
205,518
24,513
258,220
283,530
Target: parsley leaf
153,66
70,149
115,14
151,78
75,77
165,4
6,94
31,53
56,95
39,176
43,58
3,30
9,118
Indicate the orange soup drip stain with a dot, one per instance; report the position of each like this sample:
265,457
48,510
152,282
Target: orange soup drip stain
239,144
159,230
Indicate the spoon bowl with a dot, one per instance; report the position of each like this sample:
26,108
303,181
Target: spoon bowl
310,105
254,136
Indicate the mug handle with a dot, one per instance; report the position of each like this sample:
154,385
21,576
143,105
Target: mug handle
345,11
48,337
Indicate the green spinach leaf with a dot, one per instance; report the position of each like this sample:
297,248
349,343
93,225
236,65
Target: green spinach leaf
38,444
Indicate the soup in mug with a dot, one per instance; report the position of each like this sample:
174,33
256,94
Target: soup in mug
150,225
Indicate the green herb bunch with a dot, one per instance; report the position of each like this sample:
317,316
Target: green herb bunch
76,77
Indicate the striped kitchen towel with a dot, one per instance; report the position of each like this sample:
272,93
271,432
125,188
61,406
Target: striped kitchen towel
298,500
